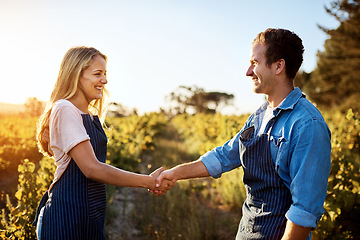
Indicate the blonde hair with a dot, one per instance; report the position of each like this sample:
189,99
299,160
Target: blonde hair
75,61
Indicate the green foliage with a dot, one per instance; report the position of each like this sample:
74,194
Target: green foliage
132,138
229,190
197,209
17,142
335,83
202,132
342,205
16,222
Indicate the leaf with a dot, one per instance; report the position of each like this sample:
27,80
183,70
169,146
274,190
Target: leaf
18,194
350,114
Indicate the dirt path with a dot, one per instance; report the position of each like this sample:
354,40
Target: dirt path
122,226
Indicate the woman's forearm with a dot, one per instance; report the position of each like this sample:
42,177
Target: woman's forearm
114,176
86,160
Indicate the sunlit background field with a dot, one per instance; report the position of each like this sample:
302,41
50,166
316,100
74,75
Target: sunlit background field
160,52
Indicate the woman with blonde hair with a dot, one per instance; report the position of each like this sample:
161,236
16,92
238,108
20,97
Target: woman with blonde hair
70,130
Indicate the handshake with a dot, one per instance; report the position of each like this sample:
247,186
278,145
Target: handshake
164,180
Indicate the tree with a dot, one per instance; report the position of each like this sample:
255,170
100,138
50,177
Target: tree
33,106
119,110
302,78
335,83
195,100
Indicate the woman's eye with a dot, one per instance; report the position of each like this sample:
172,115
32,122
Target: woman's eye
100,74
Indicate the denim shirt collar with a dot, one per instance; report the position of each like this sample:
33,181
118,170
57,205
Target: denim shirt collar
289,102
291,99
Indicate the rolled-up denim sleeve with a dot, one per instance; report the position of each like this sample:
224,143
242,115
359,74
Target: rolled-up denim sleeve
223,158
309,172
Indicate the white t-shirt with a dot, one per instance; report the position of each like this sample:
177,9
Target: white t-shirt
267,115
66,131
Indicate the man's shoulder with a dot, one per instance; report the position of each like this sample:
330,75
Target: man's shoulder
306,117
308,110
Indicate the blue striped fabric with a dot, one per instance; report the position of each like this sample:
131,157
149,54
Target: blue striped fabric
268,199
76,205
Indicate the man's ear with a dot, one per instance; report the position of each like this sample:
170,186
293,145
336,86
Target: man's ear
280,66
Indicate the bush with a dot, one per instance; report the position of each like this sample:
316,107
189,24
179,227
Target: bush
16,222
342,204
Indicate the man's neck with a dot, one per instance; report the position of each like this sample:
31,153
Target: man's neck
276,98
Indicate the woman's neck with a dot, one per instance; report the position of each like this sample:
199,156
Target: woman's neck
80,102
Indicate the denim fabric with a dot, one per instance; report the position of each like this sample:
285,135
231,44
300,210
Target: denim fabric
300,149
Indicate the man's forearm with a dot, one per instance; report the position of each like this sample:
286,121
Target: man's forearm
194,169
295,232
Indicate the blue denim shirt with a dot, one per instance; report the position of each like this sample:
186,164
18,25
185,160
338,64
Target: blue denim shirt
300,148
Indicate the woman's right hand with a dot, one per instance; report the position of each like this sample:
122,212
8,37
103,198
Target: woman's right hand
164,186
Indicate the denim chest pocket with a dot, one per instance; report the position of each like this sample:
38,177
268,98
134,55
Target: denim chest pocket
278,140
279,148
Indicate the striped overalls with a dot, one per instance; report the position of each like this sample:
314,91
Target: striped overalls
75,206
268,199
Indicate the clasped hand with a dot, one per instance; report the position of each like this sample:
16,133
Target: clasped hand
164,180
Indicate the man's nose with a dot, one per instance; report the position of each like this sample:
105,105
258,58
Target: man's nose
250,71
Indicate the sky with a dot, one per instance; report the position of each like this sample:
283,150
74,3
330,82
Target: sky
153,46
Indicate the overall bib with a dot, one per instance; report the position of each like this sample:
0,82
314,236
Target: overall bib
75,206
268,199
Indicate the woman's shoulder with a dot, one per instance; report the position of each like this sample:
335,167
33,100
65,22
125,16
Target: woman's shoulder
64,106
63,103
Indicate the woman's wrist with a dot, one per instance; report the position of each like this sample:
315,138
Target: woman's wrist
150,182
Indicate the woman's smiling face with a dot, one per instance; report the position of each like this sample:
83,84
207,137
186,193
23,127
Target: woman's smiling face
93,79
